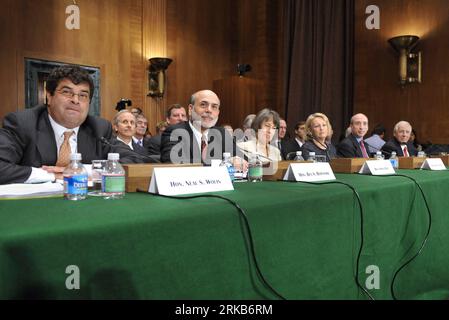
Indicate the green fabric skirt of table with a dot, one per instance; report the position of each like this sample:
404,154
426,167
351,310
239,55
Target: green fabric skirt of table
306,238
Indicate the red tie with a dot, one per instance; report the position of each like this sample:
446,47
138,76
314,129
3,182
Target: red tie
203,148
362,146
406,152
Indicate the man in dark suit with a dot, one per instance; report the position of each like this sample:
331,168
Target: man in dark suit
34,143
175,114
140,137
198,140
400,143
290,147
354,146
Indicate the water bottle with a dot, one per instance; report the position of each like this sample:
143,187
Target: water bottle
75,179
227,162
113,179
255,170
421,154
379,155
312,156
394,160
299,156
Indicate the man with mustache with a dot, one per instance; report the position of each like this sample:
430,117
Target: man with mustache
198,140
35,144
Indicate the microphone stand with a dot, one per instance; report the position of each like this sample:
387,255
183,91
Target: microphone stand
321,144
106,142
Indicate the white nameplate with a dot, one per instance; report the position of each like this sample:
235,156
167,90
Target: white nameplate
433,164
377,167
309,172
177,181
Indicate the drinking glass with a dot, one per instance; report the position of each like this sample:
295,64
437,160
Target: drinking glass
98,167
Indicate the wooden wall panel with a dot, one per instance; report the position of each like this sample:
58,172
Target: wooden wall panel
206,40
109,37
377,92
8,56
154,45
199,40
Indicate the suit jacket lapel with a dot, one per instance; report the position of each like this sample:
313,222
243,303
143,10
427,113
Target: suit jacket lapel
45,141
86,145
357,147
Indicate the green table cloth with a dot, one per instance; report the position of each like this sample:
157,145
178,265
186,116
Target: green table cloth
306,238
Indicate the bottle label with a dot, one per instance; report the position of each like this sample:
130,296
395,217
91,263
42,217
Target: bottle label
113,183
76,184
255,171
394,163
231,172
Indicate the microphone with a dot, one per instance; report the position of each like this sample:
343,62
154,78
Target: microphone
260,155
309,135
289,155
106,142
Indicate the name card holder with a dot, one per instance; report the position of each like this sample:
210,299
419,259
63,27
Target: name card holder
309,172
179,181
347,165
433,164
377,168
411,162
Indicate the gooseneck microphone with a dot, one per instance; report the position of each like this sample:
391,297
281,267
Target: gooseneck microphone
123,147
257,153
321,144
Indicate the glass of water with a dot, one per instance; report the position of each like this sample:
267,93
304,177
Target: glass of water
98,167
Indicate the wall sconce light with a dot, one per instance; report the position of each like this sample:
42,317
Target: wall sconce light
409,63
156,76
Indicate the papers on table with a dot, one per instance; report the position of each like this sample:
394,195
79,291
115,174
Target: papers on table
24,190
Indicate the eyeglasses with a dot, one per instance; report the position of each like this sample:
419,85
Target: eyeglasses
126,122
83,96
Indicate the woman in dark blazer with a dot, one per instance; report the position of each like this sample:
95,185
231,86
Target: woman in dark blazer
318,129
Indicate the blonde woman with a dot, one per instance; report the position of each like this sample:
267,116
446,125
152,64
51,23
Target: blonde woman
318,129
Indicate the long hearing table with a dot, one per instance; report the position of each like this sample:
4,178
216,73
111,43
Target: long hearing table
306,239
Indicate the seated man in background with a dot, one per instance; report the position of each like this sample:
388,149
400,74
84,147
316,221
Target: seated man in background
36,143
291,146
353,146
401,143
140,136
198,140
175,114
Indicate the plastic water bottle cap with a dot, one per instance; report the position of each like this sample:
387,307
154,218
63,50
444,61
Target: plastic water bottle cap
113,156
226,154
75,156
299,153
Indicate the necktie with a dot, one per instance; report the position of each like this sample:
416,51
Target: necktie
141,143
65,151
362,146
406,152
203,148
